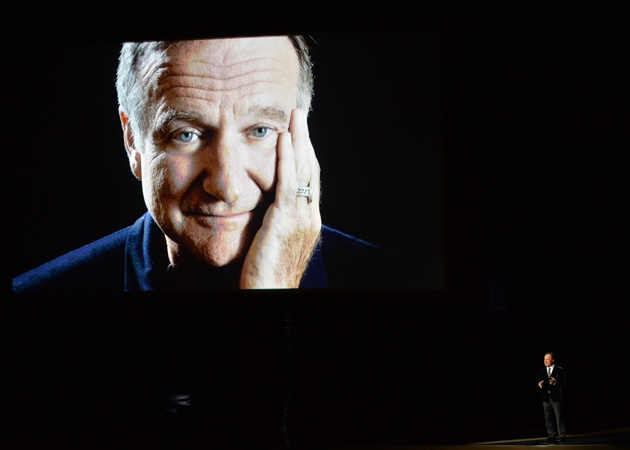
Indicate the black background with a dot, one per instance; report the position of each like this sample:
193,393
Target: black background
535,191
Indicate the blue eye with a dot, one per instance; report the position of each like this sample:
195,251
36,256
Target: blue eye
261,132
187,136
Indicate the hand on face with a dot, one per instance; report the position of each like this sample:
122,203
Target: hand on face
218,150
289,234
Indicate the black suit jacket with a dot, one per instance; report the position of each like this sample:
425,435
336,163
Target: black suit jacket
553,392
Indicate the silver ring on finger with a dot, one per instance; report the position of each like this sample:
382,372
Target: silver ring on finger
305,192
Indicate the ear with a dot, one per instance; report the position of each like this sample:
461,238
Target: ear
133,153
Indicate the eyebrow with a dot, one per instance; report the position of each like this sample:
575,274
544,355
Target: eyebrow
171,115
165,119
270,112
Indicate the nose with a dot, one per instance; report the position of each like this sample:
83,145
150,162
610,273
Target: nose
225,172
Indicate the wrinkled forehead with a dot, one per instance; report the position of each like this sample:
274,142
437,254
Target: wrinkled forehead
225,53
224,65
236,60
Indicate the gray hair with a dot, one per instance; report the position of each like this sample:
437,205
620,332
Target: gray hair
139,70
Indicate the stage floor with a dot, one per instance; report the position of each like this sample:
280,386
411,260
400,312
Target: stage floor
612,437
615,438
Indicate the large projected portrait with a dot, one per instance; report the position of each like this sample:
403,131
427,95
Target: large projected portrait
216,164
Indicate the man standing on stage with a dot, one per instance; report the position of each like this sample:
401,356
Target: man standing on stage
551,380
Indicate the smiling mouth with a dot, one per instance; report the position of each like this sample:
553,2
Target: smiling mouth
202,214
209,219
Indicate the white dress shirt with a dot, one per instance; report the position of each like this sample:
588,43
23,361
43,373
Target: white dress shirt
549,370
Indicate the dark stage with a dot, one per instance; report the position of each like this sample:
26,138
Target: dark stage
357,371
619,437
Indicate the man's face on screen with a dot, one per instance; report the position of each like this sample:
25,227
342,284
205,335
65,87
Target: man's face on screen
208,161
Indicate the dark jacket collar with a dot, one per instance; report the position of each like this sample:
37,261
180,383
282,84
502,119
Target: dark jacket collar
146,260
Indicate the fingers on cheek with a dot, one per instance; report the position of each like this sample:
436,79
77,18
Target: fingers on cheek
286,159
302,161
314,182
298,122
286,192
303,174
